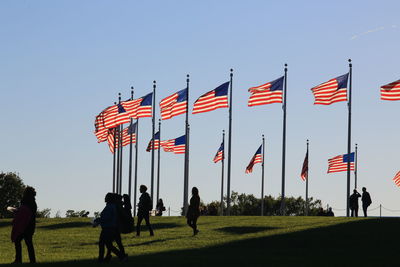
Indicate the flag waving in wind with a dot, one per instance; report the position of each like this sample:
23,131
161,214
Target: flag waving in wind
177,145
257,158
156,142
220,154
217,98
332,91
267,93
391,91
396,179
126,137
339,163
174,105
304,170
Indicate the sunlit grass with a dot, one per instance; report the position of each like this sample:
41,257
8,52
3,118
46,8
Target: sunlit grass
230,238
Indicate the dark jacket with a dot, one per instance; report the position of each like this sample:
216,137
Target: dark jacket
366,199
145,203
194,207
354,200
108,217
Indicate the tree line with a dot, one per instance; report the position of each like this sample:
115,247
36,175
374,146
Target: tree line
12,186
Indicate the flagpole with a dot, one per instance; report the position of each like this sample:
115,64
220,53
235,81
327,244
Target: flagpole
120,153
186,164
284,145
158,160
349,142
355,169
262,176
116,150
222,173
136,168
130,155
152,139
114,158
307,182
228,195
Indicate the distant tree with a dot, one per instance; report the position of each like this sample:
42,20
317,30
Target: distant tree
71,214
96,214
58,214
75,214
45,213
242,204
11,189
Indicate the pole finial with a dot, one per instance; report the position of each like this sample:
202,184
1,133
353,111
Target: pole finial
231,73
187,78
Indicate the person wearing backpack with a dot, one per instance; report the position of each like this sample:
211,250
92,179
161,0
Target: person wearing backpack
144,207
366,200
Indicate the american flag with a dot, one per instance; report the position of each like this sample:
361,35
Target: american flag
304,170
220,153
257,158
396,179
100,131
217,98
267,93
339,163
332,91
156,142
115,115
174,105
127,133
176,145
145,106
391,91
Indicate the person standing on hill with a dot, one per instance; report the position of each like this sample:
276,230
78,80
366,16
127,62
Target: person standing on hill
160,207
144,207
24,224
193,212
354,203
366,200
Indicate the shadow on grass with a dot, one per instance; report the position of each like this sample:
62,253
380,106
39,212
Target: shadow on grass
367,242
241,230
150,242
66,225
158,226
5,224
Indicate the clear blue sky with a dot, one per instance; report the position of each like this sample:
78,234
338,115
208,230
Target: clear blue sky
62,62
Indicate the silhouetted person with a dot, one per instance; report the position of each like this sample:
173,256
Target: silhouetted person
24,224
121,225
366,200
354,203
330,212
321,212
193,212
144,207
109,228
160,207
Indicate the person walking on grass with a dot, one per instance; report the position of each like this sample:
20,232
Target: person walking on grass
23,225
354,203
193,212
366,200
109,229
144,207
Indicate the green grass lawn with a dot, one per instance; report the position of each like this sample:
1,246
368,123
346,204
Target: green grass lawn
222,241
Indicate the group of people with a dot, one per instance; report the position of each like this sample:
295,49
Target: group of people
353,202
116,218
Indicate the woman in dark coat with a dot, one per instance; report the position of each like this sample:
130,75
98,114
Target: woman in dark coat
193,212
24,224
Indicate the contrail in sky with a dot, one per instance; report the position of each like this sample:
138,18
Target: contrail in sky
372,31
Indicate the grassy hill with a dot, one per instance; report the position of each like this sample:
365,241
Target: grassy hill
222,241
